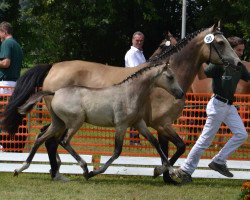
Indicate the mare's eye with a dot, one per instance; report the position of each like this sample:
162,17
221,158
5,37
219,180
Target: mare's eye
221,43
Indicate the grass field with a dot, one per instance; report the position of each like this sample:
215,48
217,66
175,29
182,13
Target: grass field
102,187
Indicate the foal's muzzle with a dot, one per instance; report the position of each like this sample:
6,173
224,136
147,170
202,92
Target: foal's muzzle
178,94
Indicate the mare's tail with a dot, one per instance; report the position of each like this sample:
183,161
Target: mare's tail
31,102
26,86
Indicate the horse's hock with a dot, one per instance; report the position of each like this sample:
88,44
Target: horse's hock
98,142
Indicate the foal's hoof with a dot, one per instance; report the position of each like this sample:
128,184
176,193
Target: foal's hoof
157,171
15,173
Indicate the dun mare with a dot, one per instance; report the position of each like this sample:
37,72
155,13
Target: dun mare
161,107
120,106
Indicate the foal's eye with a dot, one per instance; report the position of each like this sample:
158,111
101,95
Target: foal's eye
170,77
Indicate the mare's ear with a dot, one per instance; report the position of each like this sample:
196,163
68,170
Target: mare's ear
217,27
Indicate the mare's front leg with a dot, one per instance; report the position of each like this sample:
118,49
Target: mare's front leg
119,137
166,134
142,128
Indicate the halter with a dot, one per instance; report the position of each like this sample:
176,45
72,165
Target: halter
225,62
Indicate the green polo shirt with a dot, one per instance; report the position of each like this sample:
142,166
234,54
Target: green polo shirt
11,49
225,79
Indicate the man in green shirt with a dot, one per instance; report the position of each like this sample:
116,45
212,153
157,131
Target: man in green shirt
219,109
11,56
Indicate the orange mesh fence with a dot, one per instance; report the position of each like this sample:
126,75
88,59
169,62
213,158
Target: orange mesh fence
100,140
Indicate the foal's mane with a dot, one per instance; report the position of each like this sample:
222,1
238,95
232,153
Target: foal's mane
141,71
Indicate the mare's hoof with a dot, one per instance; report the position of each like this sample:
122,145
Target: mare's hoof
89,175
15,173
168,180
175,178
157,171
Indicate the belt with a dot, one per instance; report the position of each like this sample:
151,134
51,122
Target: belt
9,79
222,99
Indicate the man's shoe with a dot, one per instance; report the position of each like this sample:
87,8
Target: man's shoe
185,177
60,177
221,168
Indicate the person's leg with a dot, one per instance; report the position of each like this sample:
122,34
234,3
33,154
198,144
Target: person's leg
215,115
235,124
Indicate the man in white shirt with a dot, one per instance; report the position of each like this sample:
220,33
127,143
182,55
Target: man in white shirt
133,58
134,55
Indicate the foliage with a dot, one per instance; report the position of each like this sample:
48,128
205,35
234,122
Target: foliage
245,191
101,30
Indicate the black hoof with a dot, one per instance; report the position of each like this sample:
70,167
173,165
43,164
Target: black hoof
15,173
168,180
89,175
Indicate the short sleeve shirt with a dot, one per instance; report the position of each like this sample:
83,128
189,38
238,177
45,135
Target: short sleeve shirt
134,57
225,79
11,49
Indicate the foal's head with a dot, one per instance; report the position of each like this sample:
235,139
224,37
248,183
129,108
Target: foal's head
168,81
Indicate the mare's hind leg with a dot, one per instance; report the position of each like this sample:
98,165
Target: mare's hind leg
166,134
142,128
119,137
51,145
55,162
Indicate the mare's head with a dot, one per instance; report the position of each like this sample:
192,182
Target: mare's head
217,49
168,42
169,82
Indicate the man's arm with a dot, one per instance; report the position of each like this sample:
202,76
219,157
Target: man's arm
5,63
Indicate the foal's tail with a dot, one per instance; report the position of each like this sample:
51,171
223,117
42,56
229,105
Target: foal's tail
32,101
26,86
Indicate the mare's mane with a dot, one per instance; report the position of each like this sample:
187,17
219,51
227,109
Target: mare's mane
176,48
166,53
157,60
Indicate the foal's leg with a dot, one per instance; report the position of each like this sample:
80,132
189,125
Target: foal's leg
39,141
65,143
142,128
166,134
119,137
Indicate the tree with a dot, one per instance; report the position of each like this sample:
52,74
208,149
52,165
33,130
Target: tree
101,30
